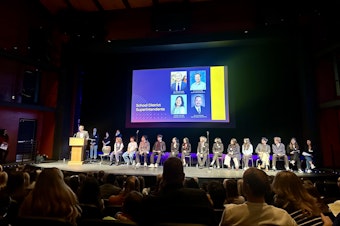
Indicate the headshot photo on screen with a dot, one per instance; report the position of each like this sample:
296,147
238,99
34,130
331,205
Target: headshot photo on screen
178,103
198,105
178,80
198,80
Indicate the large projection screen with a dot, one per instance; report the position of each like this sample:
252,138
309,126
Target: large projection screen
180,95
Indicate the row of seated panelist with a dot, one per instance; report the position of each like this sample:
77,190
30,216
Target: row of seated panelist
192,157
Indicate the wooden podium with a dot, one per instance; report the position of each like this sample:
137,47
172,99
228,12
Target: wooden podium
77,150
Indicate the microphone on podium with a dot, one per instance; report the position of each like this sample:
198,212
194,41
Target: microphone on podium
74,135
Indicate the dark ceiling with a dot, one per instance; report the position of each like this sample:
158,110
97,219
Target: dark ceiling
54,6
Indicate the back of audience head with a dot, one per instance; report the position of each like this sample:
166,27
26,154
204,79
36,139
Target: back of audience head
16,185
132,204
141,183
51,197
230,186
313,191
3,180
74,183
173,171
255,183
191,182
217,194
89,192
131,184
291,195
110,178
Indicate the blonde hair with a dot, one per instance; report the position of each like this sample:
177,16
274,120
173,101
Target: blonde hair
291,144
246,143
3,179
51,197
278,139
203,138
218,140
291,195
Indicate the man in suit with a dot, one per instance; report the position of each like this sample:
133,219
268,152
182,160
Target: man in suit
178,85
198,109
174,203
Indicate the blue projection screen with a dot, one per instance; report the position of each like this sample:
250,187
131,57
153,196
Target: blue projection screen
185,94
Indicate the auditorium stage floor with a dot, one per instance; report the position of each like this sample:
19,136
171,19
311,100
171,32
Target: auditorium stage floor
146,171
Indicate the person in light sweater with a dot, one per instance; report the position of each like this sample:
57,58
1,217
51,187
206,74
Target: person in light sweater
247,151
279,151
255,211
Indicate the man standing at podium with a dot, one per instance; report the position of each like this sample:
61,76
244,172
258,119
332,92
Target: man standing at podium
82,133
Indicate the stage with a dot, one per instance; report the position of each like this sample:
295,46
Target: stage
190,171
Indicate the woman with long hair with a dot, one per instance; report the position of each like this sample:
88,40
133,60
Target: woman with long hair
293,150
291,195
51,197
233,153
309,153
185,149
174,147
217,151
247,151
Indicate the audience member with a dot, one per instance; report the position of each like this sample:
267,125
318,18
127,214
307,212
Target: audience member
16,191
131,207
131,184
295,199
232,194
101,177
191,182
51,197
313,191
154,188
90,199
109,188
174,203
4,197
216,193
255,211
